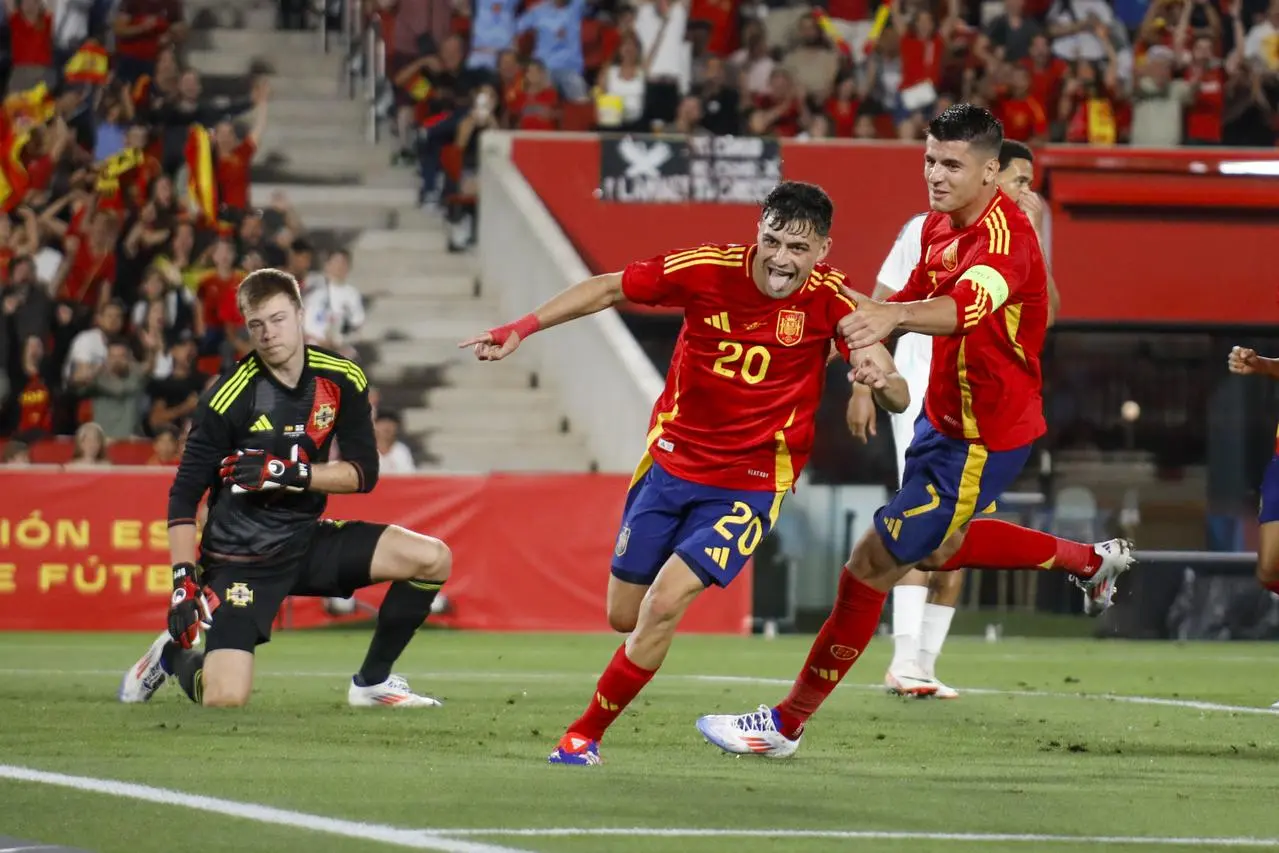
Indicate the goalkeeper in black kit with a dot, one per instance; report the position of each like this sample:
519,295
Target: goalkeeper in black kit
259,445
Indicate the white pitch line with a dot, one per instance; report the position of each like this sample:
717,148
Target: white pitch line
513,676
870,835
415,839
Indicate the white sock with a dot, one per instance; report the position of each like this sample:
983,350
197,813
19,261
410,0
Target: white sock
908,618
932,635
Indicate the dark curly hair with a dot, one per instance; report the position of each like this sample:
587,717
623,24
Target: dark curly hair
793,205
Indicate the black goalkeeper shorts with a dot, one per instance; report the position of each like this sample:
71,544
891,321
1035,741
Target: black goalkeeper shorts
247,596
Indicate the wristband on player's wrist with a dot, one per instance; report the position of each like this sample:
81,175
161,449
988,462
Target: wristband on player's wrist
183,572
525,326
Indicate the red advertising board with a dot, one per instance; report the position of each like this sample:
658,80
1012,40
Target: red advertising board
531,552
1137,236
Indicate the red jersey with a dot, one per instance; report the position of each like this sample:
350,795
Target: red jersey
1024,119
1045,83
89,273
32,41
212,292
743,386
159,14
921,59
536,110
233,174
985,383
1203,117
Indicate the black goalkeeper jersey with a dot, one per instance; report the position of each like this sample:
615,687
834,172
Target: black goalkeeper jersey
249,409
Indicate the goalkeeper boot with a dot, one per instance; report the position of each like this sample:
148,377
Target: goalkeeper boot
392,693
146,676
756,733
576,750
1099,590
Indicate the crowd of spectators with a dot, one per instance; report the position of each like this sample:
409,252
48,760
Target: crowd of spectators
1145,72
126,224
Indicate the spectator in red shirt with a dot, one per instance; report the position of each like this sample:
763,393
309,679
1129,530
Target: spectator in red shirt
1024,117
538,106
781,112
843,108
31,45
142,29
1046,72
510,79
35,399
88,268
922,49
211,291
234,156
1205,74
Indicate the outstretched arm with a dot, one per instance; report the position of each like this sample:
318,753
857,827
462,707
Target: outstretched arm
874,368
586,297
1246,362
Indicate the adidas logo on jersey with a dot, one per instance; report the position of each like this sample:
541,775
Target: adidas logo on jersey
262,424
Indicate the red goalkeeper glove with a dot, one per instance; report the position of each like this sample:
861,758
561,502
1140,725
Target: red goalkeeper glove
259,471
188,609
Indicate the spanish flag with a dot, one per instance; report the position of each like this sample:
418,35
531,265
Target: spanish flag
89,64
140,90
877,28
35,104
14,182
202,185
110,172
828,27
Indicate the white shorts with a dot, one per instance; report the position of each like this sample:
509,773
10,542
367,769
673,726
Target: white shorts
914,357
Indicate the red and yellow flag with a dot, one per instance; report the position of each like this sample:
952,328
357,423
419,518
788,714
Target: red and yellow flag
202,185
882,15
90,64
827,26
141,89
35,104
14,182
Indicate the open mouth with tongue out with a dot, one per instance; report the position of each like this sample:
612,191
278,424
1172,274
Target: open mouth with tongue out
779,278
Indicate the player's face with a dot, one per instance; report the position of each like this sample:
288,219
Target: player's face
786,256
1017,178
956,174
275,329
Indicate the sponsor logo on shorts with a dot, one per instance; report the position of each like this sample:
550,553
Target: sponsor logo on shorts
623,539
239,595
843,652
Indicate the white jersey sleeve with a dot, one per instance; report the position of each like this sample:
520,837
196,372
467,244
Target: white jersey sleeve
903,257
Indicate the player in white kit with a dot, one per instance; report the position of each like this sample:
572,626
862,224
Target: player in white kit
924,602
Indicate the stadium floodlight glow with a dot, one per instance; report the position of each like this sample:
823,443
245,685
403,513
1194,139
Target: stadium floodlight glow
1259,168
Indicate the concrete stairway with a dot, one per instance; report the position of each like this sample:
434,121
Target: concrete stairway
421,299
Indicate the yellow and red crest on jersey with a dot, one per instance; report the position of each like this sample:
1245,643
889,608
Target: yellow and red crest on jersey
790,327
950,257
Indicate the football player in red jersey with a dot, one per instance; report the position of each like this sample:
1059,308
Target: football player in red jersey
981,291
731,431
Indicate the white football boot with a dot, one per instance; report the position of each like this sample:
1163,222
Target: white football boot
392,693
909,679
146,676
943,691
1099,590
748,734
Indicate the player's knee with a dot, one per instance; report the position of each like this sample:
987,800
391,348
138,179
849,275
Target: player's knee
1268,572
663,605
433,560
224,695
622,619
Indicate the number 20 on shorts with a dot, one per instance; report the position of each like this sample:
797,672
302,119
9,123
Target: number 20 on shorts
754,362
753,529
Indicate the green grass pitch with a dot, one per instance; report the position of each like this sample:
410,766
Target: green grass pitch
1037,750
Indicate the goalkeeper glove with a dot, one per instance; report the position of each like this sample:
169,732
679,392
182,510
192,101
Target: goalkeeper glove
188,609
259,471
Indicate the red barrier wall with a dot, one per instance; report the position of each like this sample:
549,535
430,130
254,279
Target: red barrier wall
1137,236
531,553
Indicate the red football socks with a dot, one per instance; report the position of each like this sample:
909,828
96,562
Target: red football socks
994,544
839,644
618,686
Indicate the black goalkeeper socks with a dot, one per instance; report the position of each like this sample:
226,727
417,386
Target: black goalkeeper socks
405,608
188,666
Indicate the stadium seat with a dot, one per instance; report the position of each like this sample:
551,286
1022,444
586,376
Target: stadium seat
577,116
52,451
129,451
